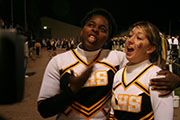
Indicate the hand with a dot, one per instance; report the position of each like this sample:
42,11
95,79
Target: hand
76,83
169,83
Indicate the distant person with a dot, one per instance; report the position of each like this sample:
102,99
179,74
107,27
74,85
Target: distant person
48,44
54,46
37,46
72,43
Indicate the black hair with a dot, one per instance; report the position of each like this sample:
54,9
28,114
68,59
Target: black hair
104,13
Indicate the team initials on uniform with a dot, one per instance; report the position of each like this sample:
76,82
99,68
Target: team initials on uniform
98,78
130,103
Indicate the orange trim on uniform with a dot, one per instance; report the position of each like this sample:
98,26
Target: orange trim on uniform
84,62
68,67
125,85
91,111
151,115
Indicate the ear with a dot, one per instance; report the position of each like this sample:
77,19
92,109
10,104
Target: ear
151,49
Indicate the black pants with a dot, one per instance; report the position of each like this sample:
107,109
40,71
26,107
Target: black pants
37,51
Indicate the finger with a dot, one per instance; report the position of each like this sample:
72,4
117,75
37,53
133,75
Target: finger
92,62
159,88
159,80
162,72
158,84
91,65
87,72
164,93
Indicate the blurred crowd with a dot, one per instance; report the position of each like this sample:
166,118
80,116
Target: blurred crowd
33,45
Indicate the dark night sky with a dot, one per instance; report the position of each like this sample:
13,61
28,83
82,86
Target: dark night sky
126,12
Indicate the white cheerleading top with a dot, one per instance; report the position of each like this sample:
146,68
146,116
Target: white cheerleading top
133,98
94,100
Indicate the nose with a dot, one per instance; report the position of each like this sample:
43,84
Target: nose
95,30
130,40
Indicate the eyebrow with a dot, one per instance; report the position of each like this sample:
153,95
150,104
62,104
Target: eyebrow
105,25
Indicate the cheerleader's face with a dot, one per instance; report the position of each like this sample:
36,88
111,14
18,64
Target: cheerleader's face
137,46
95,33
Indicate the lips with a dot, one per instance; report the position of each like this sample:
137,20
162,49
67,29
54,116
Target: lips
92,38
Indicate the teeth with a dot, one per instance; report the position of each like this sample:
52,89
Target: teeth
130,48
92,37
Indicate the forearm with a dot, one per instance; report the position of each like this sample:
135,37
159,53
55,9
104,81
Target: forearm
54,105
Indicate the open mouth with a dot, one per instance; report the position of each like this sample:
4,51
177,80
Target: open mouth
130,49
92,38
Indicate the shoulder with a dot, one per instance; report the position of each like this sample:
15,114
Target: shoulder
115,53
57,62
155,68
120,57
115,56
61,56
153,71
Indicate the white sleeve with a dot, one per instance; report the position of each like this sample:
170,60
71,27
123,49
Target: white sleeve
162,106
50,84
122,58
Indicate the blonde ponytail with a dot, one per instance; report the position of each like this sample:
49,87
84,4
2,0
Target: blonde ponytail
162,58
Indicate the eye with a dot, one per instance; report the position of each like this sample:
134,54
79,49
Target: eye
90,25
139,38
103,29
